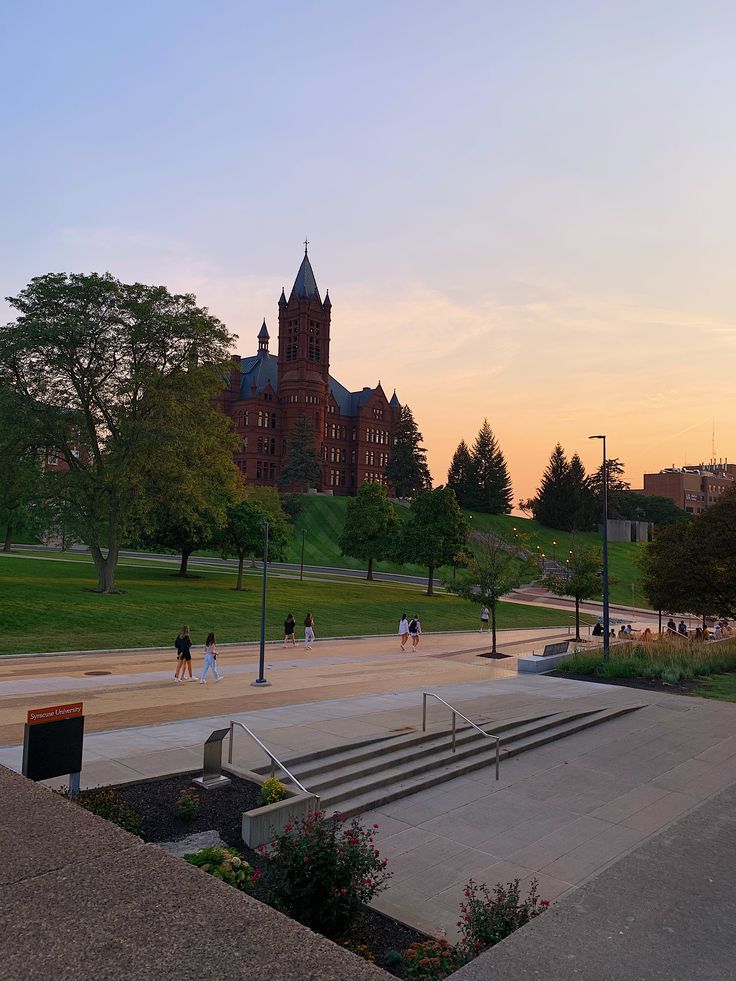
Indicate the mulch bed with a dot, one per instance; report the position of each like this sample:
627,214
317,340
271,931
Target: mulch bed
221,810
688,686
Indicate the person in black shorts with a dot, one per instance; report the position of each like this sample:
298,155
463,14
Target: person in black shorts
289,628
183,645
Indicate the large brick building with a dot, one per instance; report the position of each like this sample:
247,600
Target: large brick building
694,489
268,392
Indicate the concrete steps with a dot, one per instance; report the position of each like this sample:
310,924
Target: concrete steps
367,774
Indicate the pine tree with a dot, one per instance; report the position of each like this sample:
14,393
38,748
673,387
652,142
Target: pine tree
554,505
302,467
616,487
584,509
491,484
407,469
460,474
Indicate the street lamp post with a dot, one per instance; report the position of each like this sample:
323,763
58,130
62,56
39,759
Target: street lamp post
301,569
554,550
261,681
604,496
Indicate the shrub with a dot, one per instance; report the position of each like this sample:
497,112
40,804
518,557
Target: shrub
187,805
271,792
108,803
225,864
431,960
487,916
668,660
362,950
392,960
321,871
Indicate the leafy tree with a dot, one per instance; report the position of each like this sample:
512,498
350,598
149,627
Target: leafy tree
616,486
116,378
22,488
494,568
372,526
436,530
302,468
554,505
583,579
491,484
190,497
243,534
460,474
650,507
407,469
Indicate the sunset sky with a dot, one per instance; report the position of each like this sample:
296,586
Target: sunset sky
523,211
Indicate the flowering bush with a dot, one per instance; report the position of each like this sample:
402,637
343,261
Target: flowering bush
271,792
224,864
322,870
432,960
108,803
187,805
489,915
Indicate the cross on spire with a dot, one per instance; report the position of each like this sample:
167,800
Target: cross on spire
306,243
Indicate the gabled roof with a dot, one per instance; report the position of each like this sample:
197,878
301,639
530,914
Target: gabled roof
305,285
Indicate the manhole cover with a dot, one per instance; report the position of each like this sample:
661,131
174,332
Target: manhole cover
97,672
496,657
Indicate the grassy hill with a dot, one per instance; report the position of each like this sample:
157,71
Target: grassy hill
322,520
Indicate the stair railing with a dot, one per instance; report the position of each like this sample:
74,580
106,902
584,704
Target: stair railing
275,761
456,712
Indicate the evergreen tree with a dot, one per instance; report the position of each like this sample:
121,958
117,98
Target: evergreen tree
584,506
460,474
616,487
554,504
491,484
371,526
407,469
302,467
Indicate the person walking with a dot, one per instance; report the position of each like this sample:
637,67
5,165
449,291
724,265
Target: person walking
309,626
484,618
403,630
210,660
289,630
183,645
415,630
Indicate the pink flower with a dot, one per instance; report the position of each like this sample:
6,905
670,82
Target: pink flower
375,825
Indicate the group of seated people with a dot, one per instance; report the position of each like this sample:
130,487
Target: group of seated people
717,631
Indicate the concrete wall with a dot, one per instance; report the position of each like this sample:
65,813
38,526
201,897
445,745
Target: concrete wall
263,824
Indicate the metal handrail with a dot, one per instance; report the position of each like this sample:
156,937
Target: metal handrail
275,761
490,735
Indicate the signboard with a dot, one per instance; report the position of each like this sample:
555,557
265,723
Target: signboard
52,742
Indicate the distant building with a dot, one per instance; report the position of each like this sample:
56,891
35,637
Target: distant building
267,393
694,489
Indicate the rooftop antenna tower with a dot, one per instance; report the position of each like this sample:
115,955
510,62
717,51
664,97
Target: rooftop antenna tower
713,443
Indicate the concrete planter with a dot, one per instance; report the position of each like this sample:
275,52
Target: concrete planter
536,664
263,824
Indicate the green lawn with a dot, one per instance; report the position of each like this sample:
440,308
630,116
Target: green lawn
720,686
47,606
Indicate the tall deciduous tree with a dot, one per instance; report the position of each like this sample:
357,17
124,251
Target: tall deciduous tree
491,484
435,532
583,580
494,567
244,532
302,468
616,487
22,487
460,474
407,469
372,526
117,378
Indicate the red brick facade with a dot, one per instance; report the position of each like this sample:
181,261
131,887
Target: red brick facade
268,393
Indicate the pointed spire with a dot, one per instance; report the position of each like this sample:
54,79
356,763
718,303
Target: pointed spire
394,403
305,285
263,337
282,298
328,301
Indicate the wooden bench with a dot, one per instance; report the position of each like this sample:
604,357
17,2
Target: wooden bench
561,647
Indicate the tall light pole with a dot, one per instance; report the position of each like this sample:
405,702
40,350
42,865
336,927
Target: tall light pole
554,550
261,681
301,570
604,496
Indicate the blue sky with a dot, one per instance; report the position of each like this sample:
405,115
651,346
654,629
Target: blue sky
519,205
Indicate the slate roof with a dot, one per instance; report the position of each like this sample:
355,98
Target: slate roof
263,332
305,285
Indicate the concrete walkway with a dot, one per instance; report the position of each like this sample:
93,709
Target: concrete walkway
561,813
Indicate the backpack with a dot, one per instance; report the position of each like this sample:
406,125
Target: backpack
413,627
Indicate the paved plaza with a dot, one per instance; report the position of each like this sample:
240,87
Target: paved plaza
561,813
